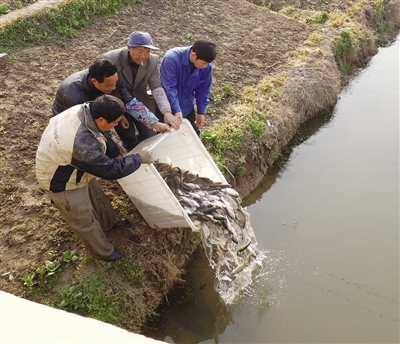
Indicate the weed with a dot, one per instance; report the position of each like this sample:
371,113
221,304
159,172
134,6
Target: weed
257,128
48,267
241,171
29,163
18,4
28,280
190,36
378,8
226,91
95,297
342,46
70,257
3,8
130,269
211,111
73,300
321,19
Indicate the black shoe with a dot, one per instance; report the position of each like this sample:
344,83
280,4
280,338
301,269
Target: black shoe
114,256
122,223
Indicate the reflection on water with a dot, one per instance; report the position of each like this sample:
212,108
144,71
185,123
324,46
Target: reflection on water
307,130
204,316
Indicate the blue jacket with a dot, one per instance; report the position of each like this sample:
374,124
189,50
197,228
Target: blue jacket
182,86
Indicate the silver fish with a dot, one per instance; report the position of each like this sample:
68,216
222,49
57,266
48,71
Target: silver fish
188,201
241,249
232,192
244,264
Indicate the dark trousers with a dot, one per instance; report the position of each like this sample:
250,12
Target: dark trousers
191,117
129,137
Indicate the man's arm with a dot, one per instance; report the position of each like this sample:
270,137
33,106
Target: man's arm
202,92
168,70
163,104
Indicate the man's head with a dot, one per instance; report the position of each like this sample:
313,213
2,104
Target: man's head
139,45
104,75
107,111
202,53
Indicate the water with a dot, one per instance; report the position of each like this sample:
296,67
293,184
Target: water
328,225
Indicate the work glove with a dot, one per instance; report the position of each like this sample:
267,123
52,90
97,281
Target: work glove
145,156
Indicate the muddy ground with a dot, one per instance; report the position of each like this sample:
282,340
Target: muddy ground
253,43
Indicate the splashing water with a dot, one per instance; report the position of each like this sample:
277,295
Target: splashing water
228,238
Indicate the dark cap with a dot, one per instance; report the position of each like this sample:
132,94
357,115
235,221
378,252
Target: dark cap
140,39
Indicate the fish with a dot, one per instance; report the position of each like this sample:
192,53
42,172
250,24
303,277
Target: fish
225,278
241,249
225,246
218,216
246,262
206,210
228,209
188,201
232,192
190,186
231,230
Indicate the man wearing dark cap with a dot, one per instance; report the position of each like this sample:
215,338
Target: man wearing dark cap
186,76
138,69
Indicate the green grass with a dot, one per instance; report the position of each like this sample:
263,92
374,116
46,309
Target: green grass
107,294
342,45
63,20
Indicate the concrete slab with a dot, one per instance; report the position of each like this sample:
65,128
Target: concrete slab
24,321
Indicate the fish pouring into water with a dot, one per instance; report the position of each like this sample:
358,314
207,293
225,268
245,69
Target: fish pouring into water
224,226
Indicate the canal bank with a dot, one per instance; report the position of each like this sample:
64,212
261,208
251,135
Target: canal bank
276,63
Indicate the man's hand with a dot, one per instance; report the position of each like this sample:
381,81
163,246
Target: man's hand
173,121
200,120
123,123
179,116
145,156
161,127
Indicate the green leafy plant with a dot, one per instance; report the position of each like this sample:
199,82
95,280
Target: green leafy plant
73,300
29,280
48,267
18,4
70,257
41,270
208,135
3,8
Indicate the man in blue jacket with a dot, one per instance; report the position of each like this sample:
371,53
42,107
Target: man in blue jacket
186,75
71,154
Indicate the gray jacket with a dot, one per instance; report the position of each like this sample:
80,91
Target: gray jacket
147,75
72,151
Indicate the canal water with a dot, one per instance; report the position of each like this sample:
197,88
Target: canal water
327,221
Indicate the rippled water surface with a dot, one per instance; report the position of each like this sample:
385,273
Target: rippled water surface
327,223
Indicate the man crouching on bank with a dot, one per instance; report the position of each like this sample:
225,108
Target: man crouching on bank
71,154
